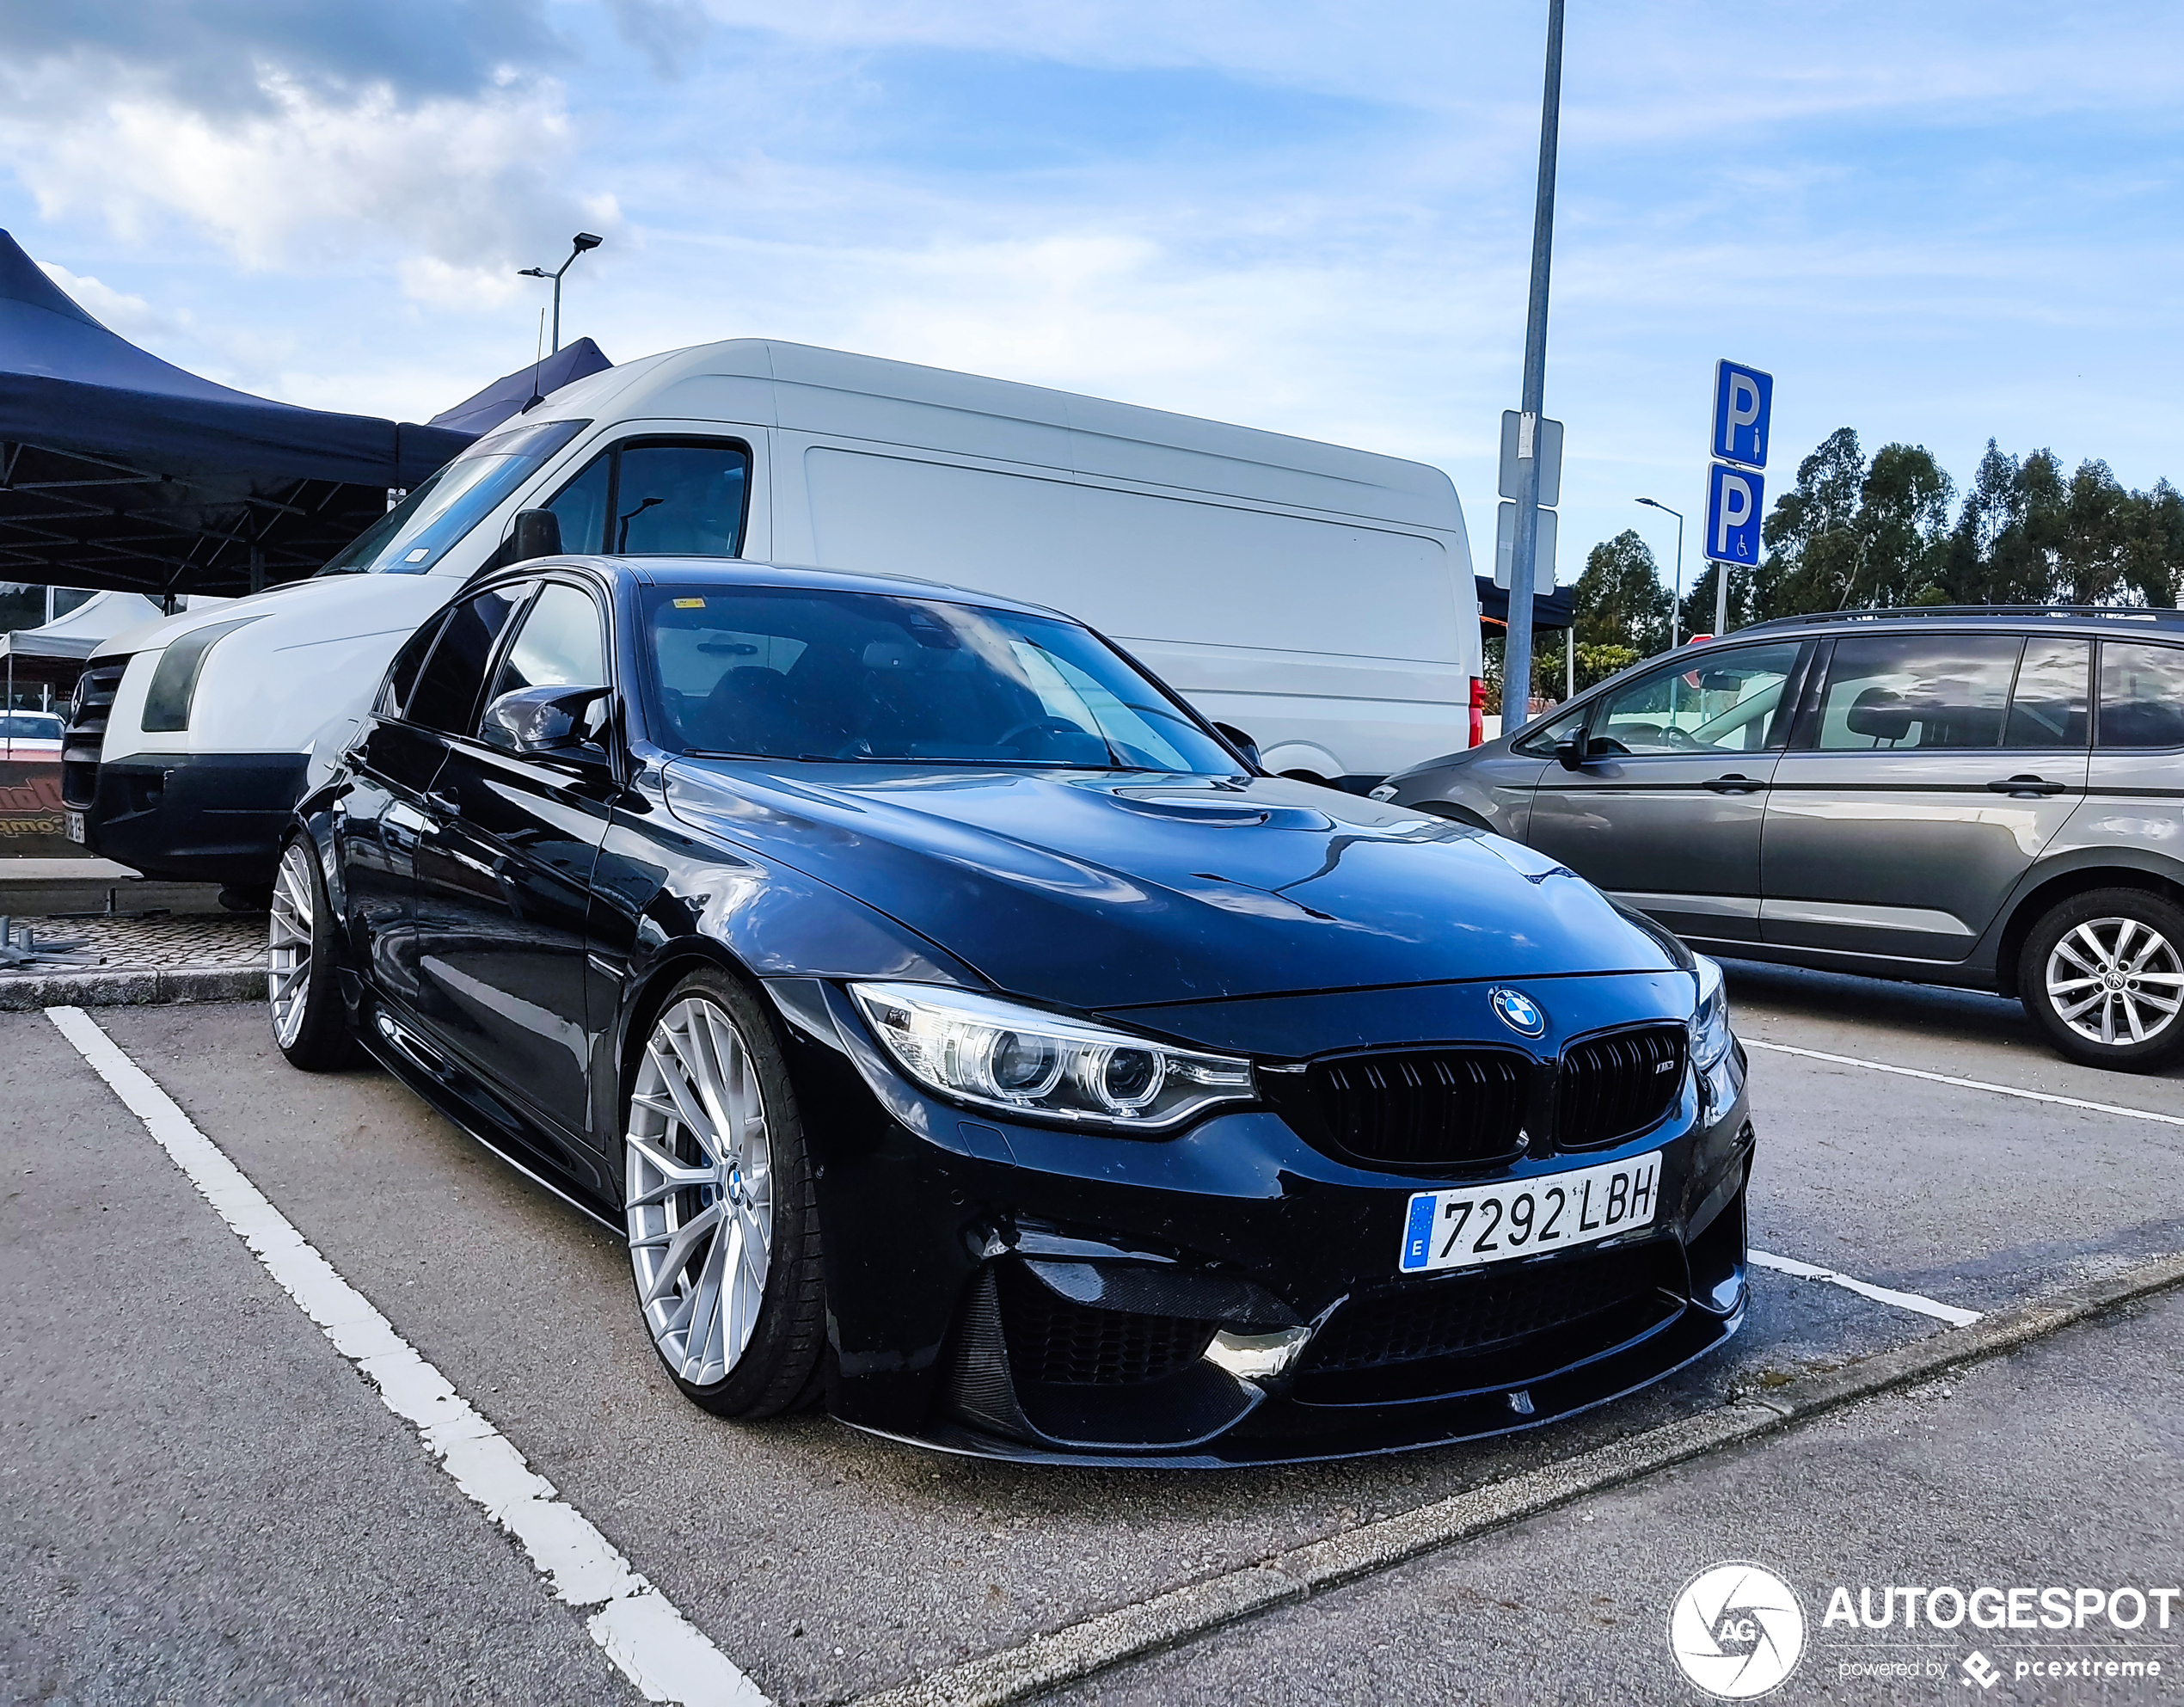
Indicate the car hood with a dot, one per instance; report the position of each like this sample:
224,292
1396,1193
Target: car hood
1104,890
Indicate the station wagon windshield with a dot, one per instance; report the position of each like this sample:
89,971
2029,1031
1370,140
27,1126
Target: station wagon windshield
790,673
413,535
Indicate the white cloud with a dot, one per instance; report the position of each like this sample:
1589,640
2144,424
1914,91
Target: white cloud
132,317
460,189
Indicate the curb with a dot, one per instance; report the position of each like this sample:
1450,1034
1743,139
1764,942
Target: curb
22,992
1179,1615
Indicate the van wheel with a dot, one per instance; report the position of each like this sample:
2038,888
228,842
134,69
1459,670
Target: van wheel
310,1021
2103,975
724,1233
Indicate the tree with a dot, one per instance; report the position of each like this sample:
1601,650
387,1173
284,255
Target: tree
1620,599
1813,551
1695,615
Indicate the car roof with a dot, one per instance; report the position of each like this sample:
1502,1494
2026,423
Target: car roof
663,571
2071,618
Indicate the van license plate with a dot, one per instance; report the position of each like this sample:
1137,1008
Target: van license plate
75,826
1469,1226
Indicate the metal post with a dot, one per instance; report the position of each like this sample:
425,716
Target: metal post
1517,654
1569,660
1721,603
257,568
557,306
1676,609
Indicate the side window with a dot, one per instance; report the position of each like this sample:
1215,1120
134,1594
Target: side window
2142,695
1917,691
557,646
681,499
1720,702
401,675
1540,744
2047,706
581,505
446,695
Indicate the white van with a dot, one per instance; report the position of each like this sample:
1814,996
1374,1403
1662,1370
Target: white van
1320,599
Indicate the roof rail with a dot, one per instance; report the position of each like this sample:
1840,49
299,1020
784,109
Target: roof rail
2126,613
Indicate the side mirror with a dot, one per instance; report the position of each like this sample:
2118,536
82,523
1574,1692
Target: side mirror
1569,752
1242,742
536,533
545,722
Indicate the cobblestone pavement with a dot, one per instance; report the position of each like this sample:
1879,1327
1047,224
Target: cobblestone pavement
228,942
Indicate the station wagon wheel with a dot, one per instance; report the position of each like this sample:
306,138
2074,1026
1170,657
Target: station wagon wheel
310,1024
2103,975
722,1218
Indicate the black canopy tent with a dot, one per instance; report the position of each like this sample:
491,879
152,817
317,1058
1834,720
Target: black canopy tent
1550,609
119,471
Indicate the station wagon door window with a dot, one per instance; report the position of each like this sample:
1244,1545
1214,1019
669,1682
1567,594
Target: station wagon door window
1900,692
2142,695
448,689
1720,701
2047,708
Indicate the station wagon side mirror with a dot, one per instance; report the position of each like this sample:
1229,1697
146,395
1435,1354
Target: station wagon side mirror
545,722
536,533
1569,752
1242,742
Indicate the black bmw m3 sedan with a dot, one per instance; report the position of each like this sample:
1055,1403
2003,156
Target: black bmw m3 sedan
968,1037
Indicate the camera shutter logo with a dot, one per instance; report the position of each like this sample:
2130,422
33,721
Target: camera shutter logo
1737,1630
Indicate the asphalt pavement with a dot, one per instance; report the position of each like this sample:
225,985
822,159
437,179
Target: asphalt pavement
206,1500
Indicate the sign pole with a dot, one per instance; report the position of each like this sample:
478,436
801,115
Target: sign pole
1517,654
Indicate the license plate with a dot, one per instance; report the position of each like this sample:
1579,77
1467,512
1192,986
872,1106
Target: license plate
1469,1226
75,826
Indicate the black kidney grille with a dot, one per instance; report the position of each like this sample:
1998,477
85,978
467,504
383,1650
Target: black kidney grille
1613,1088
84,734
1475,1312
1053,1341
1424,1109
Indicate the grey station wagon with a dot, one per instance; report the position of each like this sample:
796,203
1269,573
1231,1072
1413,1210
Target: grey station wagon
1987,796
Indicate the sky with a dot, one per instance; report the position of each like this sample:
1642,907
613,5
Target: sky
1934,222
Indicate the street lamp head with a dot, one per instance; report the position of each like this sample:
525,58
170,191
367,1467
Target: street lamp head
584,240
533,272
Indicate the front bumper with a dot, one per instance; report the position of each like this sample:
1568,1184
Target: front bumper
196,817
1021,1291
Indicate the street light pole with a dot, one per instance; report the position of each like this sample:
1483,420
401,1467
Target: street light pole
1517,651
1675,605
581,242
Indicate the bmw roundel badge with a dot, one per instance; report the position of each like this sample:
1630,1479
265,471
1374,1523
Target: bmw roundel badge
1519,1012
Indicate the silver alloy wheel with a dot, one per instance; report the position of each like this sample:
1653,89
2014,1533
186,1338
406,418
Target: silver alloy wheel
700,1190
2115,981
288,964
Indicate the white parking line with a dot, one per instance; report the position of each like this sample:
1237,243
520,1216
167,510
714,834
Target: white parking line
1812,1271
648,1640
1968,1084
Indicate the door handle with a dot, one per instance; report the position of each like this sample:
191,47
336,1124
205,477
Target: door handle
1732,784
2027,788
443,801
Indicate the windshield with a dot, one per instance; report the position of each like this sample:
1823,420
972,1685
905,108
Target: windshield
30,726
413,535
779,672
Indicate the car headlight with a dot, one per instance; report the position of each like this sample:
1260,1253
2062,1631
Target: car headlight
173,692
1044,1066
1710,1037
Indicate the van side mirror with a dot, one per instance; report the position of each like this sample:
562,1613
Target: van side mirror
545,722
536,533
1569,752
1242,742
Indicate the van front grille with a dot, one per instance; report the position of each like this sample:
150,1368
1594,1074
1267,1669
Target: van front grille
84,737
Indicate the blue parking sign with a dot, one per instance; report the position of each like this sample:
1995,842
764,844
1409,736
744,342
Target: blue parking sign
1743,399
1733,500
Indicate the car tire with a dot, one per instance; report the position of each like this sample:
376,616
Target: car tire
715,1167
311,1022
2102,975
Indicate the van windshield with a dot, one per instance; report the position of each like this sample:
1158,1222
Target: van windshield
782,673
416,533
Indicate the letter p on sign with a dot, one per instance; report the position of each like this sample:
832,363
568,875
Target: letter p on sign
1743,397
1733,499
